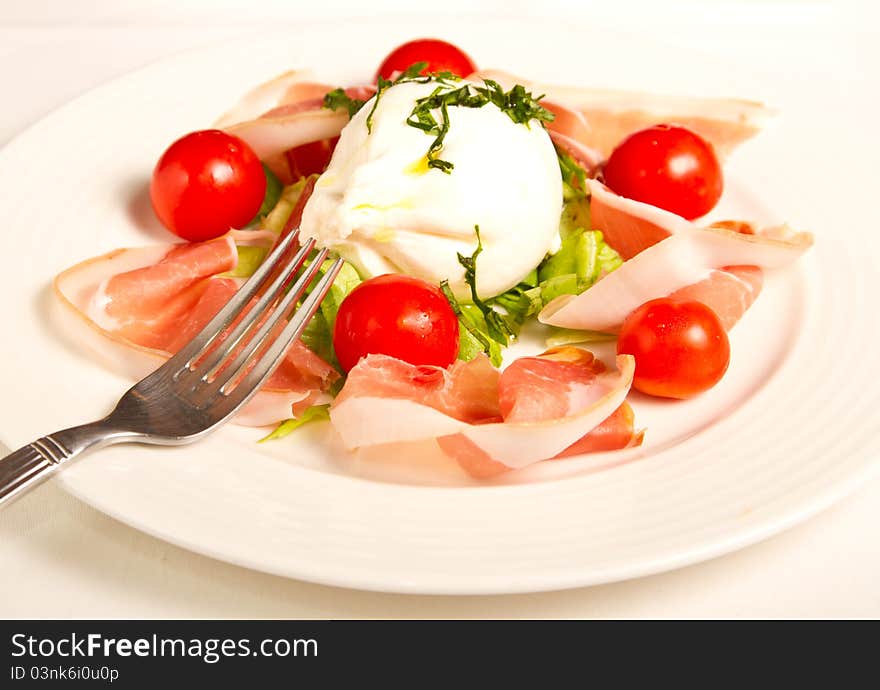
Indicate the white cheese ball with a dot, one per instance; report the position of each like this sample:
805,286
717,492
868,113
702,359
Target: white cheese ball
385,211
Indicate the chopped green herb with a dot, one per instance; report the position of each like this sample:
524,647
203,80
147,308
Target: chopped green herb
337,99
488,325
499,329
411,74
517,103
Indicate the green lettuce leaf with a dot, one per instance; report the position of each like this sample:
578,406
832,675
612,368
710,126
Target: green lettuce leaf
473,331
310,414
318,335
249,260
273,193
583,253
283,207
557,337
575,197
270,198
574,177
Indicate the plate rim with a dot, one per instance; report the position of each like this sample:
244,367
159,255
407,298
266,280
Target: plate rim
700,553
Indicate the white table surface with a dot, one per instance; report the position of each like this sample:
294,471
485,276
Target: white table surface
61,558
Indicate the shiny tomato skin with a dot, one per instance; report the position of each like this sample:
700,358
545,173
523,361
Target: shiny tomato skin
440,56
669,167
396,315
681,349
206,183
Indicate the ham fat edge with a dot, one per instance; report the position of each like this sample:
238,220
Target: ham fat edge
686,261
368,413
609,115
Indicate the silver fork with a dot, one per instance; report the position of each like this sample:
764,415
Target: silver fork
198,388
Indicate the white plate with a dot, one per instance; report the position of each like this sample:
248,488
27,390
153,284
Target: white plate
782,436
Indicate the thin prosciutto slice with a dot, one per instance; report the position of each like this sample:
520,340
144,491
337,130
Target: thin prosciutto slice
611,115
285,113
136,307
717,266
534,410
630,226
273,135
295,86
569,130
552,386
147,305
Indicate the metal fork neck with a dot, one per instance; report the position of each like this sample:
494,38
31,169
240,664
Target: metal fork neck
65,444
35,462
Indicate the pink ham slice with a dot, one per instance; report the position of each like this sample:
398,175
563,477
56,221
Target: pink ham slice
717,266
612,115
301,369
270,137
292,87
285,113
627,225
729,292
551,386
535,410
135,307
146,305
466,391
313,99
568,131
632,227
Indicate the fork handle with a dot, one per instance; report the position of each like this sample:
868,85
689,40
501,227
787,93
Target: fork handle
32,464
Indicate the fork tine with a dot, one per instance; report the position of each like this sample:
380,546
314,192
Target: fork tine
212,362
242,359
228,313
272,357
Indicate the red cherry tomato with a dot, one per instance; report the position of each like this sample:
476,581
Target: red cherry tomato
669,167
681,348
440,56
206,183
396,315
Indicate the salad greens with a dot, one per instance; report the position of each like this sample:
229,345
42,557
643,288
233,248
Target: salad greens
558,337
249,260
278,216
310,414
318,335
273,192
270,198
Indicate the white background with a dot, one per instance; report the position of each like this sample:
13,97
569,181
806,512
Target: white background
60,558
